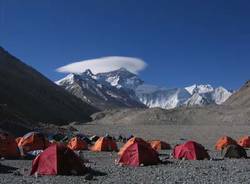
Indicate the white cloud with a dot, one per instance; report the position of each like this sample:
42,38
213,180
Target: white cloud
105,64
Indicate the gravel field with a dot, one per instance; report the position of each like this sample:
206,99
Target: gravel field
174,171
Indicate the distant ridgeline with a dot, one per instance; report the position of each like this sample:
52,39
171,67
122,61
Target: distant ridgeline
121,88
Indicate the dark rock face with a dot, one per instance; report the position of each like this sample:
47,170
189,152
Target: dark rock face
13,122
26,91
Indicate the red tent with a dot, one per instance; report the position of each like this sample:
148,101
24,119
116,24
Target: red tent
58,160
138,152
190,151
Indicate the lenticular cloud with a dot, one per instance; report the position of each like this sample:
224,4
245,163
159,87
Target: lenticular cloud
105,64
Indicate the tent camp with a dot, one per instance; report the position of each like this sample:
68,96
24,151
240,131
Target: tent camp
244,141
33,141
223,142
234,151
190,151
104,144
8,146
159,145
137,152
58,160
77,144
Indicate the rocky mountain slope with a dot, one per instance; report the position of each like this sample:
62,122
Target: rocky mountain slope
240,99
26,91
13,122
95,90
121,88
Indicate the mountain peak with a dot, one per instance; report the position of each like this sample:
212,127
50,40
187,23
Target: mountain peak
121,78
87,72
122,69
191,89
203,88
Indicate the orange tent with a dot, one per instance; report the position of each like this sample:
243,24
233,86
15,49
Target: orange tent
33,141
244,141
159,145
104,144
77,144
8,146
223,142
137,152
129,143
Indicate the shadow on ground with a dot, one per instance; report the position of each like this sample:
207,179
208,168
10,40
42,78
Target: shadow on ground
97,173
6,169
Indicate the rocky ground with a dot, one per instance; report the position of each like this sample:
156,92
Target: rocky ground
174,171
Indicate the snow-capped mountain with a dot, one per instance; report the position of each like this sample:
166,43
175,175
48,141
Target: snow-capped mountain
220,95
200,95
201,89
206,94
161,97
121,88
98,92
121,78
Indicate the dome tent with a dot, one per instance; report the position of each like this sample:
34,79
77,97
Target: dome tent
191,151
58,160
138,152
234,151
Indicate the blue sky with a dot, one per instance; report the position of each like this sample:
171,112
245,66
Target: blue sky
183,42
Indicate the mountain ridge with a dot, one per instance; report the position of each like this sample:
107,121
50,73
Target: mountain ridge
240,98
149,95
